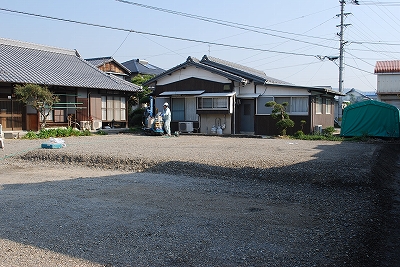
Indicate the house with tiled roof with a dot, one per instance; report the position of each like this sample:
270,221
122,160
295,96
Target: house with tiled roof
141,66
388,81
354,96
212,95
87,94
111,66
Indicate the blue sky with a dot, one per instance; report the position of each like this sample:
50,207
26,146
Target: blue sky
284,39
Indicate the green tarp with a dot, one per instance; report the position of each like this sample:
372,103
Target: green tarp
371,118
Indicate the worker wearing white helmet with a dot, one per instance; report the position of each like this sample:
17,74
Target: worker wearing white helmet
167,119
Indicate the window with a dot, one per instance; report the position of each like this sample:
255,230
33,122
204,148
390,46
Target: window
182,109
261,108
299,104
212,103
178,109
113,108
190,109
58,115
296,105
328,106
318,105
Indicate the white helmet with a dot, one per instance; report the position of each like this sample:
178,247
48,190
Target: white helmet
165,104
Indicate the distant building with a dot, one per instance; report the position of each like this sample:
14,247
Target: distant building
354,96
111,66
139,66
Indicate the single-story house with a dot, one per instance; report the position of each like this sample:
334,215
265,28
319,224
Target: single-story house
88,96
213,94
110,66
388,81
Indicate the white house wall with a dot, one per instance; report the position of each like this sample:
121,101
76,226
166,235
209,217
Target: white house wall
190,72
207,121
244,89
271,90
388,83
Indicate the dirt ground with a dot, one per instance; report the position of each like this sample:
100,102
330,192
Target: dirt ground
58,214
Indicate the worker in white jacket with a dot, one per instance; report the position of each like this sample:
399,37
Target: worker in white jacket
167,119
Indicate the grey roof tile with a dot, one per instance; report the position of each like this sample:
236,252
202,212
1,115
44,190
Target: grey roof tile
241,70
142,67
31,63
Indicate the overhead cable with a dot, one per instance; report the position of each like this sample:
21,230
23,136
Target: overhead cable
156,34
233,24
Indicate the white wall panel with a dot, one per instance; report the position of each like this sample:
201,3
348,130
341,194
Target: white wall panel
190,72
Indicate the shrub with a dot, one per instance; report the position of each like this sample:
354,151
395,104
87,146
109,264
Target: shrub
136,117
328,131
318,137
279,113
101,132
56,132
30,135
298,134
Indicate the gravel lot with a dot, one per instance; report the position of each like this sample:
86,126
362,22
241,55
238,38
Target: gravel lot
131,200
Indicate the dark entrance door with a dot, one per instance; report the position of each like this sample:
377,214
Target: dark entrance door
247,112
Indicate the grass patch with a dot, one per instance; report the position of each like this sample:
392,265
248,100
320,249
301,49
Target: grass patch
56,132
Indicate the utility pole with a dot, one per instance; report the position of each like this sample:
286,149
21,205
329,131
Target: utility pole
341,54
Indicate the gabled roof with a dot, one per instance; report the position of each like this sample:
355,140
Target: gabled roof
391,66
22,62
365,95
191,61
247,72
98,61
232,71
142,67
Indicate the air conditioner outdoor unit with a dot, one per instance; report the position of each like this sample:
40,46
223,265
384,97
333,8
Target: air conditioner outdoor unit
97,124
186,127
318,129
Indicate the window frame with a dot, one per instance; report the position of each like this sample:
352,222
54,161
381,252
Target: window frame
113,108
289,109
328,106
318,105
214,103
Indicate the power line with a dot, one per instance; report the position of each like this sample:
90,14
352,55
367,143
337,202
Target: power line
358,68
375,3
375,43
158,35
232,24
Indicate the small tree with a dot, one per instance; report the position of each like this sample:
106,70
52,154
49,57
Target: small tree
142,96
40,98
302,123
279,113
136,117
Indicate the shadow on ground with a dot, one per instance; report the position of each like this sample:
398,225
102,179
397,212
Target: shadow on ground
199,215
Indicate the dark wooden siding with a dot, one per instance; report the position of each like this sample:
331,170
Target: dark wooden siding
192,84
112,67
266,125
